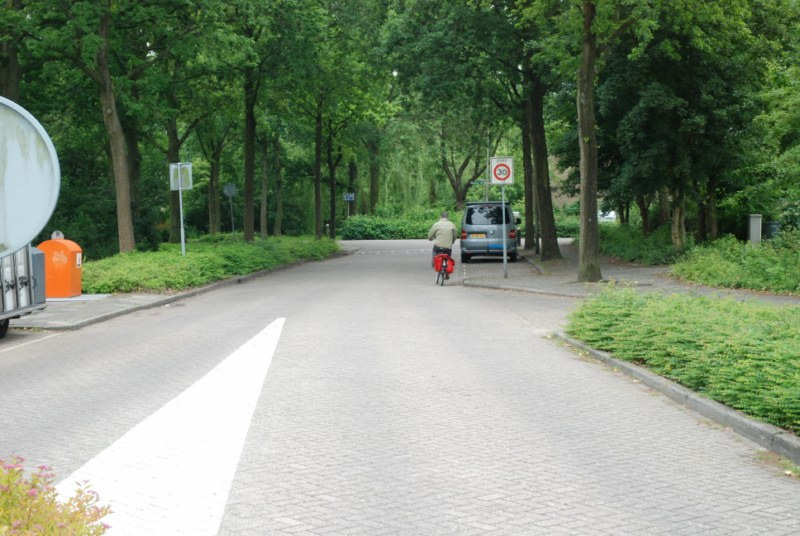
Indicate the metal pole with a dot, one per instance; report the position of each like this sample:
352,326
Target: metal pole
180,203
505,246
230,199
488,168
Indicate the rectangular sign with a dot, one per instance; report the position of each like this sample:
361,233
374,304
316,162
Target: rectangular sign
349,196
180,176
501,170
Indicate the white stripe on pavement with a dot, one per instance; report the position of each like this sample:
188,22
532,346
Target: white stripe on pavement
171,473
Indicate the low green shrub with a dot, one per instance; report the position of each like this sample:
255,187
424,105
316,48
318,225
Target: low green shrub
364,227
771,265
29,505
567,226
205,261
629,244
394,225
744,355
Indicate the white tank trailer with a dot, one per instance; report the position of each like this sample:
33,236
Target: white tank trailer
29,184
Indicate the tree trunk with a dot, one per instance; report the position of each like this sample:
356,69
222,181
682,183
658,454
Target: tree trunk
433,198
541,170
173,156
10,74
264,189
527,168
711,202
588,247
214,208
374,149
318,175
249,152
702,220
352,180
644,209
333,163
663,205
277,228
116,138
679,222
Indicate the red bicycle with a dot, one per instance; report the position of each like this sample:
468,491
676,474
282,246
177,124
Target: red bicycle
444,266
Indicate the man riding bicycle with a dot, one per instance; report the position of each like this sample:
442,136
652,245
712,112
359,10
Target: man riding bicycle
443,233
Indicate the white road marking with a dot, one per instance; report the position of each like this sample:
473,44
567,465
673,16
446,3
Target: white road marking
171,473
34,341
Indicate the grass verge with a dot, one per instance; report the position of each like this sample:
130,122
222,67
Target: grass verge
207,260
744,355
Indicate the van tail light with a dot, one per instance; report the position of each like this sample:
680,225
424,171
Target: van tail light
512,234
463,235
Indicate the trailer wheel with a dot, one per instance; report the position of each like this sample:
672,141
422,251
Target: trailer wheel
3,327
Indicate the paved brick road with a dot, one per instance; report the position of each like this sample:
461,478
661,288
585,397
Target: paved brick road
379,422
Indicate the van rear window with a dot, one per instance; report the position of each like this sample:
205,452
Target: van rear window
485,215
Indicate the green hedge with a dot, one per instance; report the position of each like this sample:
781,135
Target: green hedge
773,265
207,260
390,224
627,242
379,228
744,355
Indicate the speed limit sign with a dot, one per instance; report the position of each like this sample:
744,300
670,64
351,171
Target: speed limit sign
502,170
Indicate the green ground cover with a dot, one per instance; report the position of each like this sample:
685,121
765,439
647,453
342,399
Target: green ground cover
627,242
744,355
208,259
773,265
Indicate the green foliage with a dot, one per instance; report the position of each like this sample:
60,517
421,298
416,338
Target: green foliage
744,355
390,223
568,221
771,265
206,260
29,505
629,244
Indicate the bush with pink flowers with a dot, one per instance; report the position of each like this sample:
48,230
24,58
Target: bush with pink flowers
29,505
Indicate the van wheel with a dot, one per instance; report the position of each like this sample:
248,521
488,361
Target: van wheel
3,327
464,258
513,257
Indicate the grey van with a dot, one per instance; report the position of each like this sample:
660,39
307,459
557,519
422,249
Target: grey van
482,230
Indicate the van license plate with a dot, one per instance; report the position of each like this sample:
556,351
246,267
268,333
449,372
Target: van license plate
478,235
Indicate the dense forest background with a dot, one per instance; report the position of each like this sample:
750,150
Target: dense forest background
669,112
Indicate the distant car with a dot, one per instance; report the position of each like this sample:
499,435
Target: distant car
482,230
607,216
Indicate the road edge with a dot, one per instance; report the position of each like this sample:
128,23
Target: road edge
771,437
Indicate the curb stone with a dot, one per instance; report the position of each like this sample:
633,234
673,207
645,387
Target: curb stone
766,435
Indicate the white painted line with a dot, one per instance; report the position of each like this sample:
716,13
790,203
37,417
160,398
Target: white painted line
8,349
171,473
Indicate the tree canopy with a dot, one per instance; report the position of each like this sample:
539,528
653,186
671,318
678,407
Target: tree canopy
674,113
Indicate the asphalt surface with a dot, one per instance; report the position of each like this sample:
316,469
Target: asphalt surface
443,403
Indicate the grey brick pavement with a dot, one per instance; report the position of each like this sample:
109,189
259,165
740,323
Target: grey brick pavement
404,431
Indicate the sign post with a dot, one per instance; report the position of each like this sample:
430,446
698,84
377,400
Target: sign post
502,174
230,190
180,179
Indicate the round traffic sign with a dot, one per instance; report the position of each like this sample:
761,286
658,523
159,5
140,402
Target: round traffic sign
30,177
501,172
229,189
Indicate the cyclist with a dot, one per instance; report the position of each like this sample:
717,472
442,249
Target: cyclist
443,233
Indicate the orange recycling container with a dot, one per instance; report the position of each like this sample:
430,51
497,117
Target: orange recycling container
62,268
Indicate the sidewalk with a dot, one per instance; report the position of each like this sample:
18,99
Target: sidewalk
559,277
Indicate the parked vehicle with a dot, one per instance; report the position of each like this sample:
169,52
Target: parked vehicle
21,285
482,230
